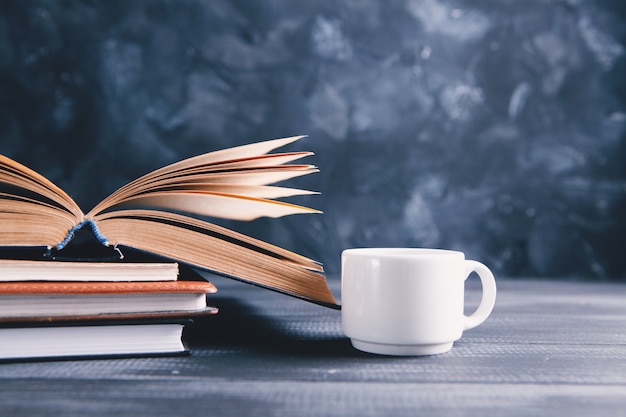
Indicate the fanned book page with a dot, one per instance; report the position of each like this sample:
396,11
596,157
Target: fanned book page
145,214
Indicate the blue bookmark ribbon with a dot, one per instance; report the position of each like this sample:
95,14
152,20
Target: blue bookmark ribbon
70,235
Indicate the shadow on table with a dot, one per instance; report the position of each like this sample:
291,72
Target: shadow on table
239,325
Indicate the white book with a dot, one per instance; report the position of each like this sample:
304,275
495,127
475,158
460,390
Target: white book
90,341
26,270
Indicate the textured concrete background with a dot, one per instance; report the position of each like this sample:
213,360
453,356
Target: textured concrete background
493,127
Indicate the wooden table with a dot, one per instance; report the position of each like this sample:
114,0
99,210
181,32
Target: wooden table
549,349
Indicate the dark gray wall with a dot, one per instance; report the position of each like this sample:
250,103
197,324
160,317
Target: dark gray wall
493,127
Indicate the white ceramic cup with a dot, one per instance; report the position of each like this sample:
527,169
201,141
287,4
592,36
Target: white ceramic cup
409,301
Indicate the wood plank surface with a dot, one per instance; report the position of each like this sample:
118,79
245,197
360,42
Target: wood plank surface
549,348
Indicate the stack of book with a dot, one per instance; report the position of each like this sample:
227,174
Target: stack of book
76,309
160,214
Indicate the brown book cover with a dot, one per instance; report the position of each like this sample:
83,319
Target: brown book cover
22,302
133,287
81,319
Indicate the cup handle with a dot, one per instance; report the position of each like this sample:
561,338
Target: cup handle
488,298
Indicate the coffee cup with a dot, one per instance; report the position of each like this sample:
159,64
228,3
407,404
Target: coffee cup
409,301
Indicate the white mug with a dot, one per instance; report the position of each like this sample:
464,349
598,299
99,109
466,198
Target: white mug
409,301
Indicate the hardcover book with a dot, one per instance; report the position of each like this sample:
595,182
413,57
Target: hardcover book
67,301
27,270
92,339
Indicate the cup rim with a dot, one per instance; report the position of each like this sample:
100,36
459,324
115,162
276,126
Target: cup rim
398,252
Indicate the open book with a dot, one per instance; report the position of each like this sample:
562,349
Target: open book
150,214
